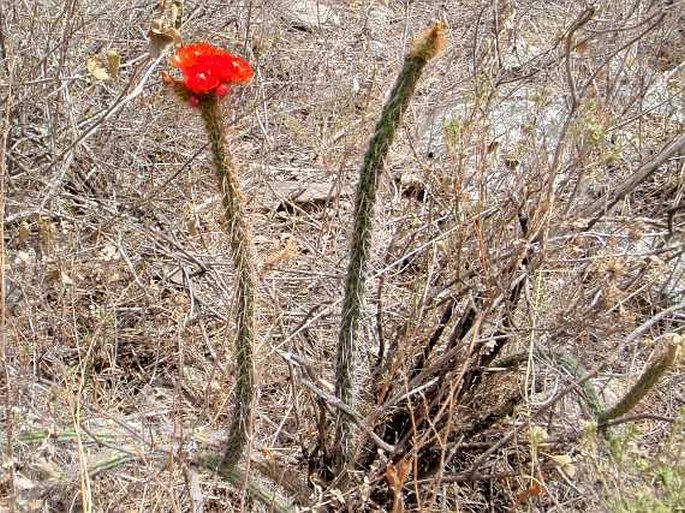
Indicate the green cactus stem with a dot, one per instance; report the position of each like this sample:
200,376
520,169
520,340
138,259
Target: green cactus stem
427,46
243,262
650,377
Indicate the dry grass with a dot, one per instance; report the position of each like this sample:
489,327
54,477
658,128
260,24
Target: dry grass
117,370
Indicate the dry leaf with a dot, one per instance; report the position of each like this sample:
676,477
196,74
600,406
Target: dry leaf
24,232
392,478
403,471
537,436
582,47
177,14
281,255
338,495
109,252
49,469
113,62
47,232
564,463
535,489
162,36
396,476
58,275
97,70
66,279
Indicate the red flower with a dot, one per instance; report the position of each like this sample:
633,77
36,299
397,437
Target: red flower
208,69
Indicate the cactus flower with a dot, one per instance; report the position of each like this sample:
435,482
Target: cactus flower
207,69
208,74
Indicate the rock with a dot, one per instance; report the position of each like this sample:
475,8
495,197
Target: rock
312,15
293,194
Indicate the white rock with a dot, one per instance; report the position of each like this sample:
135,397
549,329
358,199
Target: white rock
313,14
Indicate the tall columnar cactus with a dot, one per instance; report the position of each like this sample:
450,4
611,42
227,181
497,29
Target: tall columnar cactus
427,46
208,75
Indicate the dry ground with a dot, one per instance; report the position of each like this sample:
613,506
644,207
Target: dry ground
116,347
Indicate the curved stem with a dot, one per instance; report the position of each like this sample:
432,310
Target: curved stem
427,46
644,384
236,227
604,416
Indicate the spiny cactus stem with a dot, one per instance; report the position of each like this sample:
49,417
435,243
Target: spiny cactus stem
426,47
243,262
644,384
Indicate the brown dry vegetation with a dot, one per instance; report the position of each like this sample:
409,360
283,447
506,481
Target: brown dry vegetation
492,238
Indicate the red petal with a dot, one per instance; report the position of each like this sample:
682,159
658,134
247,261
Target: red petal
201,80
238,70
223,90
193,55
